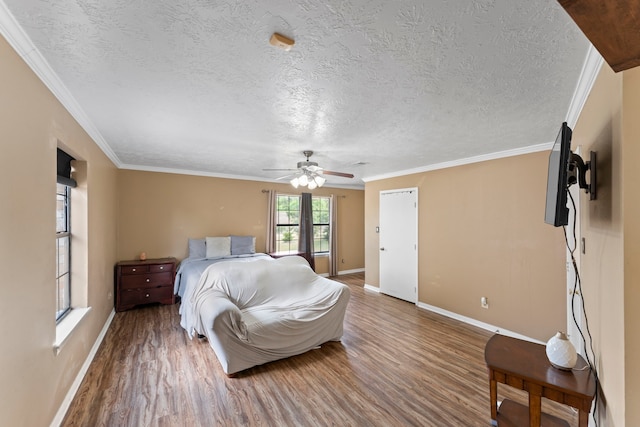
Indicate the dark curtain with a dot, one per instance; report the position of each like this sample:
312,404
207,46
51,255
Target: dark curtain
305,242
271,222
333,236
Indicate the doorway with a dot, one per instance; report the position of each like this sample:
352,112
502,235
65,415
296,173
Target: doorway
399,243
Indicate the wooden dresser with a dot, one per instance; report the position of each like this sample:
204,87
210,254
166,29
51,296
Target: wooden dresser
142,282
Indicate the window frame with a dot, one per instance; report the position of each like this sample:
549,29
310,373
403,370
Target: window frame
293,227
296,225
63,234
317,225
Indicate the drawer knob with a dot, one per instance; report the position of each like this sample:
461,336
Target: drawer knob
147,295
162,267
133,269
148,280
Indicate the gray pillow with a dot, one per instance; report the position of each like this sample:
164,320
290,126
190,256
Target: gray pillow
197,248
242,245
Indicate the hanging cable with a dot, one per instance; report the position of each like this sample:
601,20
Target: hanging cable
577,287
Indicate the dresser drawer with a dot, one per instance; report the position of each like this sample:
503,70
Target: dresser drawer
163,294
160,268
144,269
135,269
149,280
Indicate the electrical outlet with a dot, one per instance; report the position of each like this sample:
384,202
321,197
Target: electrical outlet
484,302
109,296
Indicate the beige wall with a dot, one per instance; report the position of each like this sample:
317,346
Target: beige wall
34,381
482,233
602,266
631,215
158,212
610,270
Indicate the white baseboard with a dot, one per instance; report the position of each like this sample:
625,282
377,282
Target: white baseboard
478,323
464,319
64,407
355,270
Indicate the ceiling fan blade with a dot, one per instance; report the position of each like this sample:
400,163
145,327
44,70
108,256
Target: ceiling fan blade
286,176
309,168
345,175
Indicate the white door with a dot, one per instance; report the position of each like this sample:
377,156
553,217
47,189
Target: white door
399,243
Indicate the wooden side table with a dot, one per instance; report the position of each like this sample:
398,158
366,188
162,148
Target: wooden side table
524,365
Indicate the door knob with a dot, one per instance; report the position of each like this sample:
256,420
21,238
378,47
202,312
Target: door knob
382,249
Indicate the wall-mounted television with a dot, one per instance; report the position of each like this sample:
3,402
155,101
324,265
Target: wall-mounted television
556,212
565,169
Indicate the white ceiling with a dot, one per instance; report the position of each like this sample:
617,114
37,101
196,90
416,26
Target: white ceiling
195,86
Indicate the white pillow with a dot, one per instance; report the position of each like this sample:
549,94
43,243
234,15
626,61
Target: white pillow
218,246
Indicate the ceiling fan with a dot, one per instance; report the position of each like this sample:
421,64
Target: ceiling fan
308,173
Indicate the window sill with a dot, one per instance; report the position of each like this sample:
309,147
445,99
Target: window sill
65,328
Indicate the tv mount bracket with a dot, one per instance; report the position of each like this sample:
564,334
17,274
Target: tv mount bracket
578,171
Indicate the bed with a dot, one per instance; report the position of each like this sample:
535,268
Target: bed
190,270
254,309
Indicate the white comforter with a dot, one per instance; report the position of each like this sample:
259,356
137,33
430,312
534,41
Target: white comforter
264,310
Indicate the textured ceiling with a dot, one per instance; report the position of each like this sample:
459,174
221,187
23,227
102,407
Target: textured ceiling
194,85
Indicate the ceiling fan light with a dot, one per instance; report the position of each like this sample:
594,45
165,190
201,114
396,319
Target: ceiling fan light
312,185
303,180
319,180
295,182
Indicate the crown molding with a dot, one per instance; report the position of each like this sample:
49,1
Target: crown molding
227,176
22,44
590,70
466,161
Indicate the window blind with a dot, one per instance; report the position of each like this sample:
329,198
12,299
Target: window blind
64,169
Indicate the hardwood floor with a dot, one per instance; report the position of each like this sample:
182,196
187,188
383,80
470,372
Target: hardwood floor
396,365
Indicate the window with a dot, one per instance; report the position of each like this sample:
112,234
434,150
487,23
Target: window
288,222
63,251
320,208
71,293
